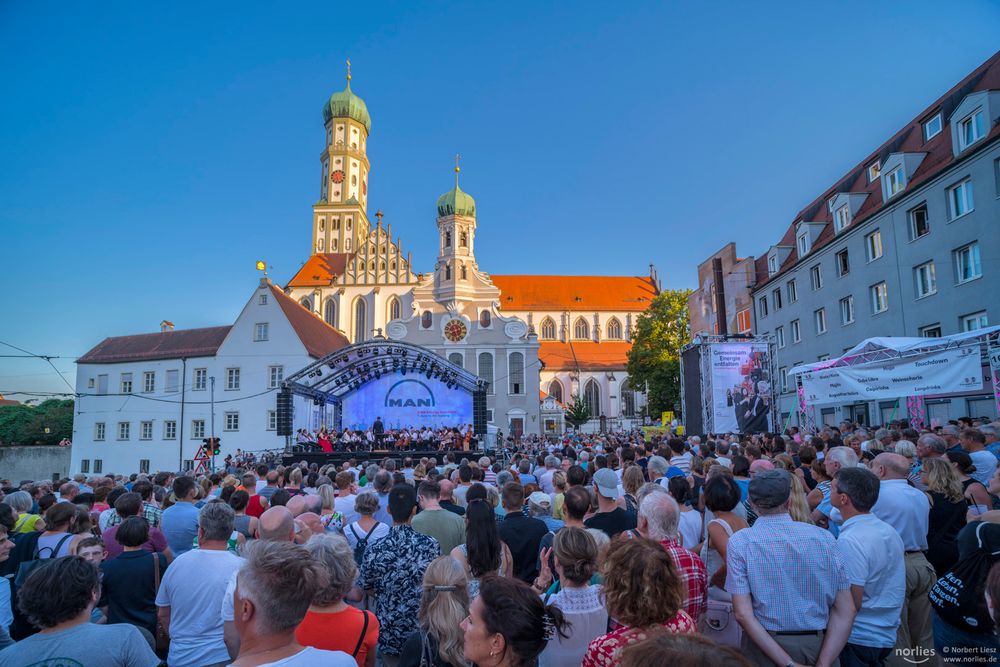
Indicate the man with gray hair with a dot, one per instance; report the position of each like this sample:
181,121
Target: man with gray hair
907,510
192,590
837,459
273,592
801,612
951,436
545,479
929,446
658,518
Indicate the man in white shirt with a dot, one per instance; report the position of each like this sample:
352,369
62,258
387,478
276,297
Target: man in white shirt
974,442
722,453
273,593
873,555
907,509
192,590
545,478
347,490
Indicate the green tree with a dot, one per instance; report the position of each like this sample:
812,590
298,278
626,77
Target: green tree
654,359
577,414
25,425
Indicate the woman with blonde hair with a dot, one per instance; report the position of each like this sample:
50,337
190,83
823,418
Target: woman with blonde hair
327,495
444,604
798,506
947,515
559,497
632,481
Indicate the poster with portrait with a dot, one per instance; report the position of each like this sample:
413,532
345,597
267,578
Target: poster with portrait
741,388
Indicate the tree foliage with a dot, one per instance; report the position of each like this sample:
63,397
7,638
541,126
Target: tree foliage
654,359
25,425
577,413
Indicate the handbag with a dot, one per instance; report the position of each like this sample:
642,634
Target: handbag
161,637
720,624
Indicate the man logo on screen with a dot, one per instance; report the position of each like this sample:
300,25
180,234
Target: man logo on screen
409,394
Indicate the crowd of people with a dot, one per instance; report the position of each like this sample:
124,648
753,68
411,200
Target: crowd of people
850,547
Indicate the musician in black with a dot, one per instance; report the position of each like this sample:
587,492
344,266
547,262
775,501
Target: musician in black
379,431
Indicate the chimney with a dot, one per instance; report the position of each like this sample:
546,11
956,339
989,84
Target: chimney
166,325
720,296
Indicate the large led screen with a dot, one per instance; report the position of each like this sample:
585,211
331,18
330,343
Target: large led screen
407,400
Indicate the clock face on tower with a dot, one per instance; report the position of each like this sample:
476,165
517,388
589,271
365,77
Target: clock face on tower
337,176
455,330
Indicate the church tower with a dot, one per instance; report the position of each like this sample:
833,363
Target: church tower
456,268
340,217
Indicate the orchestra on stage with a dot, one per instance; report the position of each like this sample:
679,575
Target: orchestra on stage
379,438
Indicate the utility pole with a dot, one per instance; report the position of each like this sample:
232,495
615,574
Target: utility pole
212,379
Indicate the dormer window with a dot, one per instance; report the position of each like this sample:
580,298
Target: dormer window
772,265
842,218
932,127
971,129
873,171
803,244
895,181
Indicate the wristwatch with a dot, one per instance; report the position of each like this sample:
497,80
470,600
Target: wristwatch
790,663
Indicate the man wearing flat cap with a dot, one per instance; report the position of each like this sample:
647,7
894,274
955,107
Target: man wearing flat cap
789,584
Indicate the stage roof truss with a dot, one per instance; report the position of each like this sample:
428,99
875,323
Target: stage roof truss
330,378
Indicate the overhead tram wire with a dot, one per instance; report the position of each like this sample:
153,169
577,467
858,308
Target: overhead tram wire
48,360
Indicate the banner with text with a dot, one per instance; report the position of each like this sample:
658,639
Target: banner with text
741,388
994,355
946,372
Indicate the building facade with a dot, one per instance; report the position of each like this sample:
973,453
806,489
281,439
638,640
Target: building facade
903,245
739,276
146,402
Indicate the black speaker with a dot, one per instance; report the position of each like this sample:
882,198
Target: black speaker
479,412
693,415
284,412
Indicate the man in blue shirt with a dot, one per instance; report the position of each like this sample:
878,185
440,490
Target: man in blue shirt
180,521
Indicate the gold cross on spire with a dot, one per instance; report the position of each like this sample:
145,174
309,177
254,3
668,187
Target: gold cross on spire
348,70
457,168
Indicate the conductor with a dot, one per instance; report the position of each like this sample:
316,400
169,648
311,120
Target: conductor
378,430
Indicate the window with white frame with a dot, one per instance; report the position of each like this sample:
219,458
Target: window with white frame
231,422
169,430
919,222
124,430
816,277
842,218
819,317
779,336
762,307
197,428
548,329
485,367
931,331
125,386
873,245
102,384
85,465
874,169
232,379
879,298
200,379
843,263
146,430
614,329
847,309
144,466
272,420
743,321
173,381
967,263
975,321
148,382
783,379
895,181
932,127
960,200
776,298
515,369
772,264
971,129
796,331
803,244
793,292
581,330
99,431
260,332
98,466
90,383
925,279
262,300
275,374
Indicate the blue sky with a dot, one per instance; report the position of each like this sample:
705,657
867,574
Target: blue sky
151,152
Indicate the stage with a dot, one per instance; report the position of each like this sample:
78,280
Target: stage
337,458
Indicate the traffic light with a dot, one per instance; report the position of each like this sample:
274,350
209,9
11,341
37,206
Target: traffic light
216,446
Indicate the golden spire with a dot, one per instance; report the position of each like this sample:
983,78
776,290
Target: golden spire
457,168
348,71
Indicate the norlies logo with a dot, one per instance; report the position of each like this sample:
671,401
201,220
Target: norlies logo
409,394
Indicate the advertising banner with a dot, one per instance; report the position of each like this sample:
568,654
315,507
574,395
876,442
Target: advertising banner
741,388
994,355
949,371
403,401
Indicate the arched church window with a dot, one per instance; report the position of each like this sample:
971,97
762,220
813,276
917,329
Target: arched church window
485,319
463,240
614,329
592,398
381,266
306,303
548,329
581,329
395,309
628,399
447,239
555,390
336,223
347,245
322,224
348,224
426,320
485,368
360,320
464,274
320,245
447,271
354,178
456,358
330,312
333,245
371,265
515,372
392,265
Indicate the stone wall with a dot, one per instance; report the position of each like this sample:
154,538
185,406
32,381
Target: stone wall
37,463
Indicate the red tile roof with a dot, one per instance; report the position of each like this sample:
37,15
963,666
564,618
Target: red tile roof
318,337
588,293
558,356
160,345
909,139
7,401
320,269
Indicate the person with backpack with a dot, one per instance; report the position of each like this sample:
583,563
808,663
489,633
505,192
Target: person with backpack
330,623
364,532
